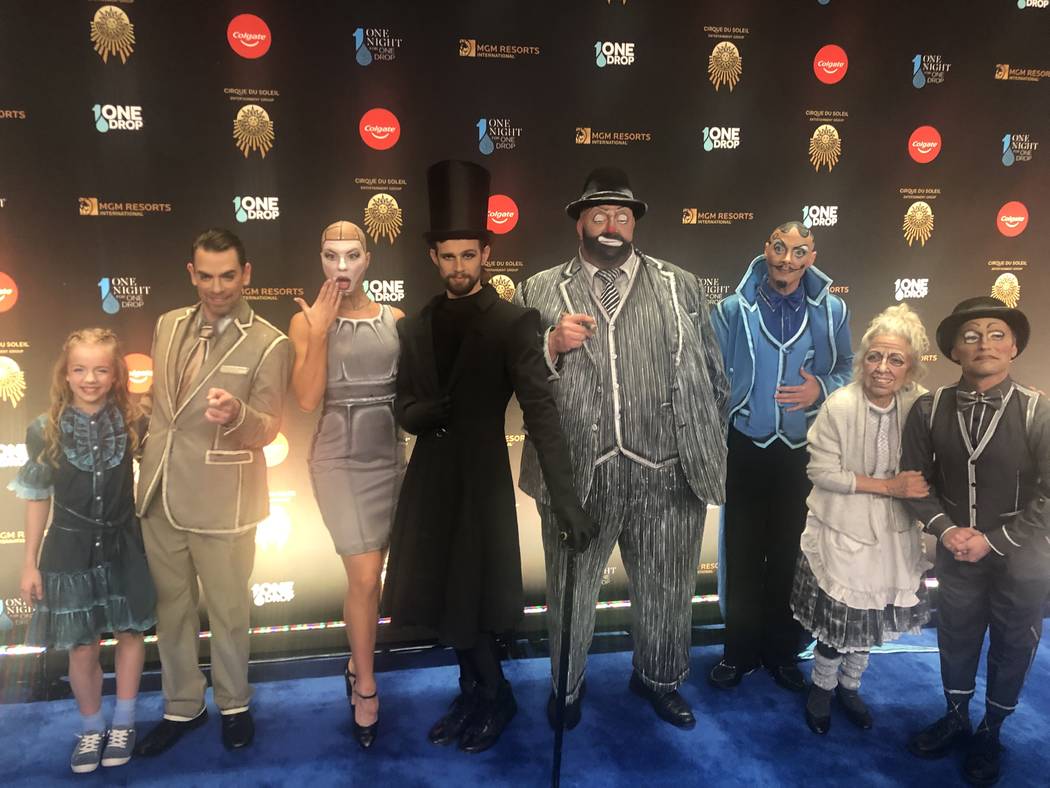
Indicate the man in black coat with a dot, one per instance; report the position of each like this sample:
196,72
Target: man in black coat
455,564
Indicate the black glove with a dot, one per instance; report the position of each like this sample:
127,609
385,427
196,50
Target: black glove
577,530
425,415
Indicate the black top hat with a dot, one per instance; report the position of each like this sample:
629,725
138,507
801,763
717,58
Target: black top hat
606,186
981,306
459,201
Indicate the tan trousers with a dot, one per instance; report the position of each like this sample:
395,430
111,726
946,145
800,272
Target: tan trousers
223,563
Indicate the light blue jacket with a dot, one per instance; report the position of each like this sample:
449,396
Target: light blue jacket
827,356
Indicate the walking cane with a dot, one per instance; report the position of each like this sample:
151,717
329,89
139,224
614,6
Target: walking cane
563,664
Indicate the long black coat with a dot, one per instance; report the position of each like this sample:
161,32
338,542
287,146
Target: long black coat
455,563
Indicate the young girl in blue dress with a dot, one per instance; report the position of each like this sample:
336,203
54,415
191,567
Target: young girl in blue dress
91,576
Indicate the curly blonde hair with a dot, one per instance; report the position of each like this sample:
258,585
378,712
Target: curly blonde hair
62,395
897,321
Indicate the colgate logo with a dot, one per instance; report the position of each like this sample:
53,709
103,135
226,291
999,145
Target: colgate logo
140,372
924,145
380,129
830,64
1012,219
249,36
8,292
503,214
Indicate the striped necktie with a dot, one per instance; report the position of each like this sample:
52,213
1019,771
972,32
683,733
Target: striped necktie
610,297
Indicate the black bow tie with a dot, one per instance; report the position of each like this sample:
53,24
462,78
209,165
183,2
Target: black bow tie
967,399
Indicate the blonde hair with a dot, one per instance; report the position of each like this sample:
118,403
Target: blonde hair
62,395
897,321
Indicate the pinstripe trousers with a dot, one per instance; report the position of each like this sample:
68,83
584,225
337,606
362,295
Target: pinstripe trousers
658,523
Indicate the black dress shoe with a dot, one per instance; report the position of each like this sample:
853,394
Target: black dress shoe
450,727
238,730
488,722
789,677
938,739
726,676
981,766
166,733
573,710
856,709
669,706
818,710
366,734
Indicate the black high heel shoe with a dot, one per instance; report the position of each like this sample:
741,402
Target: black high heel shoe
366,734
350,679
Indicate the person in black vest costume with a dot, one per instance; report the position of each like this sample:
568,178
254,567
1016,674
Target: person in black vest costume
455,563
983,445
638,376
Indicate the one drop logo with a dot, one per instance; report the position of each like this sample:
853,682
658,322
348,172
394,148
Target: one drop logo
1008,151
503,214
110,304
918,78
362,53
608,53
924,145
830,64
1012,219
117,117
911,288
256,208
485,143
820,215
721,138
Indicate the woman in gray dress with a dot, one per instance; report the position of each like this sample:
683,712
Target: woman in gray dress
346,353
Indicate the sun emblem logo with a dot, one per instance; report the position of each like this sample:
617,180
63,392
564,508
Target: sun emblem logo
468,47
583,135
724,65
1007,289
383,217
12,381
825,147
253,130
503,285
918,223
112,33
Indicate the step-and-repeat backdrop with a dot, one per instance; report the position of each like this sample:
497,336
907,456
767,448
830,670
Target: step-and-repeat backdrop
912,137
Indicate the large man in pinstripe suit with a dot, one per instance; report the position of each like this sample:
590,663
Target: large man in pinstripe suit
638,377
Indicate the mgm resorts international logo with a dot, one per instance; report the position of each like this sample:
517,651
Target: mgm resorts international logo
825,147
820,215
721,138
918,223
585,135
613,53
253,130
1007,288
270,593
697,216
911,288
497,134
383,217
928,70
1006,72
1018,148
724,65
121,292
374,44
12,381
254,209
117,117
471,47
384,290
95,206
112,34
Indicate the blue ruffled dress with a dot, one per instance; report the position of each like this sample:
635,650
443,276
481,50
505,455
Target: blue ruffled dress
93,563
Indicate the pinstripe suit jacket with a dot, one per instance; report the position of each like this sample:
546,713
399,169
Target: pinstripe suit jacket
700,391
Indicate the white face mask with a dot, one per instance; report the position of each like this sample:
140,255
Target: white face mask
346,262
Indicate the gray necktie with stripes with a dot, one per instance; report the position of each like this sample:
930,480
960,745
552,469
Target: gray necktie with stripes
610,297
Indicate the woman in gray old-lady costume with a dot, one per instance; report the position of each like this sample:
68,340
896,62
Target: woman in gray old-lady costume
346,351
859,574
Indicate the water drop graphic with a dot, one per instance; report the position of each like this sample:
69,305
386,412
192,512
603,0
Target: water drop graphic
708,144
486,145
1021,3
100,122
1008,151
599,56
110,304
242,215
919,80
364,56
807,220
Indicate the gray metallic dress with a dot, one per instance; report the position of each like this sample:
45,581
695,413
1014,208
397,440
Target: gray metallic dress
357,457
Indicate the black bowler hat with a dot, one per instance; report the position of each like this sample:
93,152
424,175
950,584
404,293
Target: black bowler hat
981,306
606,186
459,201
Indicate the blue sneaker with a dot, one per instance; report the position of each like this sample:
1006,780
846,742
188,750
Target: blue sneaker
119,744
87,753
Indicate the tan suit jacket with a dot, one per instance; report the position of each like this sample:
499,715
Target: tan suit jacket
212,478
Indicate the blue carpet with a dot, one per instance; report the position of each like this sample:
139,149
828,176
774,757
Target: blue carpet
754,735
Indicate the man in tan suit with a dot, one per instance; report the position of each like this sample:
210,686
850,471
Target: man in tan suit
219,377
